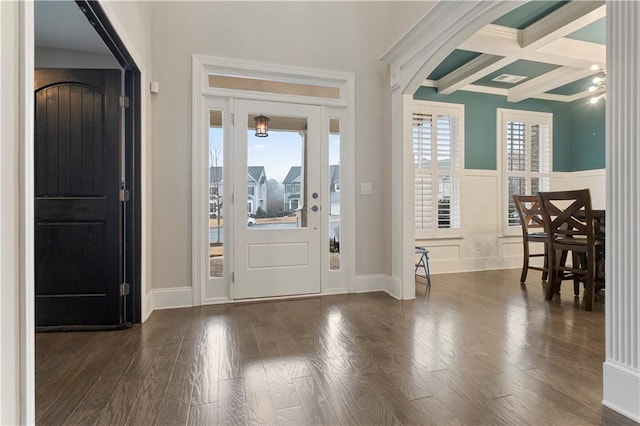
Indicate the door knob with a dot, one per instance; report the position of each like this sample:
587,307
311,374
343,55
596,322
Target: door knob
314,208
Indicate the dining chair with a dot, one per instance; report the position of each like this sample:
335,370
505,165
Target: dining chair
532,223
568,219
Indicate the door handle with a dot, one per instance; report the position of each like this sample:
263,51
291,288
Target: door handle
315,208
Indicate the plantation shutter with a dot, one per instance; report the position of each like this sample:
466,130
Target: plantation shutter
528,164
423,161
437,167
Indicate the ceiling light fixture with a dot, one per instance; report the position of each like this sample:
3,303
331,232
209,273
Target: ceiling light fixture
599,85
262,126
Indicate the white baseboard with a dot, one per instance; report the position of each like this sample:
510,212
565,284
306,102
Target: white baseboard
395,288
621,389
335,290
378,282
369,283
148,306
168,298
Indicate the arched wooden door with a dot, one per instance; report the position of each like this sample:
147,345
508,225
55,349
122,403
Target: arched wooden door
78,211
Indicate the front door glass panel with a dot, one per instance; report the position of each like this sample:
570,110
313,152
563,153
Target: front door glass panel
276,168
216,201
334,193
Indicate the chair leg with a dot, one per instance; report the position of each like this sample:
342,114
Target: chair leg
525,263
428,271
589,290
553,274
545,273
576,260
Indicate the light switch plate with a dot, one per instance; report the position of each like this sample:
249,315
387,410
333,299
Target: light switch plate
366,188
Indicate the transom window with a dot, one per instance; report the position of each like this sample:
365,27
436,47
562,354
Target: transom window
437,148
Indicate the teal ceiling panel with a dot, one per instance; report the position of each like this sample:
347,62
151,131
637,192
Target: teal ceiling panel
528,69
528,13
455,60
595,32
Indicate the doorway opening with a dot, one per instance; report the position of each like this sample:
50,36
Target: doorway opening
78,36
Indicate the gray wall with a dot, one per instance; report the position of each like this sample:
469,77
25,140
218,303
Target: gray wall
341,36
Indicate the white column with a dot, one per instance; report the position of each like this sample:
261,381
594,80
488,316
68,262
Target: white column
621,371
402,219
17,367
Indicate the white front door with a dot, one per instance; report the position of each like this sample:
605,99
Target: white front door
277,243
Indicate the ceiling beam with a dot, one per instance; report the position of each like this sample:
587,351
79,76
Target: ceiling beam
542,41
545,82
470,72
577,50
489,90
562,22
503,41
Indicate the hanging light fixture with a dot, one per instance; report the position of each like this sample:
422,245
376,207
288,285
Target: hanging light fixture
262,126
599,85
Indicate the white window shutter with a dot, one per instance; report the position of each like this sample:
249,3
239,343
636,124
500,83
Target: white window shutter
437,149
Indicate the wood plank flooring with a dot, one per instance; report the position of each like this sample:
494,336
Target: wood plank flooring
479,349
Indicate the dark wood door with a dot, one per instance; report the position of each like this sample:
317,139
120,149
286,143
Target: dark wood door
78,225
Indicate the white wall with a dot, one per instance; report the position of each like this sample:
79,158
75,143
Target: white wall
47,57
481,247
327,35
9,217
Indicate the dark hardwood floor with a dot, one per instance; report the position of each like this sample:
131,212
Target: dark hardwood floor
479,349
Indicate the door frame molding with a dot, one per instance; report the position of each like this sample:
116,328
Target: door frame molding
132,153
203,95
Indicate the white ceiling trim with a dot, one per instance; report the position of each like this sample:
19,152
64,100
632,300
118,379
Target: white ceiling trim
542,41
503,41
470,72
548,81
588,52
562,22
488,90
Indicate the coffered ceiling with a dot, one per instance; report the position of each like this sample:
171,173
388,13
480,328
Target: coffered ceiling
543,49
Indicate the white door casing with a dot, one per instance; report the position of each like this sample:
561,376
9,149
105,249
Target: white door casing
213,290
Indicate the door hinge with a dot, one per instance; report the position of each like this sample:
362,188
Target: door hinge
124,102
233,119
232,197
124,195
124,289
233,277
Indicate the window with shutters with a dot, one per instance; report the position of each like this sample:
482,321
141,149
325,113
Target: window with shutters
437,149
525,144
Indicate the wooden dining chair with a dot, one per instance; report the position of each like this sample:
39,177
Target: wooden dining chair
532,223
568,220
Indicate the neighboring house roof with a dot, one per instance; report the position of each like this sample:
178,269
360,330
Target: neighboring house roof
257,173
293,175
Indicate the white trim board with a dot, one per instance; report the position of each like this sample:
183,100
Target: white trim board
181,297
621,389
174,297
